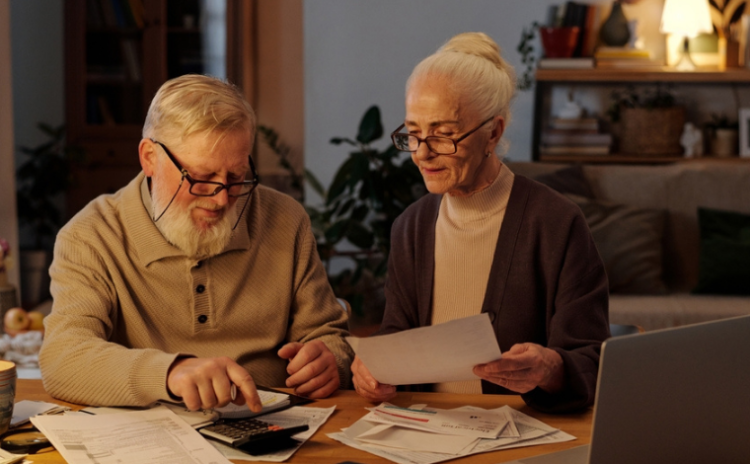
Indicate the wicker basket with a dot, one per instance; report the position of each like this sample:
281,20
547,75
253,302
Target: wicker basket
651,132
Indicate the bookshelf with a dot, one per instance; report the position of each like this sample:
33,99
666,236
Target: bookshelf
117,55
547,79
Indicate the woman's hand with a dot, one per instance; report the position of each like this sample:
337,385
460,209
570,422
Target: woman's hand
366,385
524,367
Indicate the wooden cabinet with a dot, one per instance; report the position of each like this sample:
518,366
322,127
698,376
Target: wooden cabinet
603,81
117,55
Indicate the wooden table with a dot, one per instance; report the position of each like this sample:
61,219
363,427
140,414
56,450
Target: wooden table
350,407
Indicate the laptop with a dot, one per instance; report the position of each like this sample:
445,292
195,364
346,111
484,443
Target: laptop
678,395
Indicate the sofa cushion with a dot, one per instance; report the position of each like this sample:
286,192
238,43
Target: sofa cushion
567,180
629,240
724,266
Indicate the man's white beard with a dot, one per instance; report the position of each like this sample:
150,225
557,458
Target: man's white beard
178,227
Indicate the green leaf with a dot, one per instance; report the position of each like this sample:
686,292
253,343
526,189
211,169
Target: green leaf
340,181
346,207
360,168
370,128
336,231
315,183
360,213
359,235
340,140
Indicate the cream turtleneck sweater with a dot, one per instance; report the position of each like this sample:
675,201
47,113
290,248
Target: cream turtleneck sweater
465,238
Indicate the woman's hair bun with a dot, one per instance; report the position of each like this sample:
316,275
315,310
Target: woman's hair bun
477,44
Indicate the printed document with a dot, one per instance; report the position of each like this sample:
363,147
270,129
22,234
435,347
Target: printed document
411,446
444,352
475,424
137,437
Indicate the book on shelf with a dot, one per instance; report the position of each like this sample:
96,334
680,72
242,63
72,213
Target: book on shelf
566,63
575,138
623,63
580,123
108,13
574,150
137,9
621,53
131,59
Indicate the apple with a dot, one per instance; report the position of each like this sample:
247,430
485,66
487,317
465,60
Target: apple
36,320
15,320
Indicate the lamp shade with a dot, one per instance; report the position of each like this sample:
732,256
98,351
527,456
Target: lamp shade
686,17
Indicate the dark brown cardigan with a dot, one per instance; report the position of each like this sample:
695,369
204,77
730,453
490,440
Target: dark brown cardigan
547,285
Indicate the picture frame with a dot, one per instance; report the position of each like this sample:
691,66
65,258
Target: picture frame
744,123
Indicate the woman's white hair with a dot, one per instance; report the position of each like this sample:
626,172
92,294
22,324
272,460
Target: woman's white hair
473,63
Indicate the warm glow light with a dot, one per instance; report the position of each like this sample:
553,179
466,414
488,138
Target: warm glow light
686,17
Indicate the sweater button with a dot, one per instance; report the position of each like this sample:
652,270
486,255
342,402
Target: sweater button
202,318
200,289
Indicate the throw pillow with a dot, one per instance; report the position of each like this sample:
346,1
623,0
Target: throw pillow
629,240
724,262
569,180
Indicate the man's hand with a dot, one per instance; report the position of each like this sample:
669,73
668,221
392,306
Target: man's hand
366,385
205,383
524,367
312,369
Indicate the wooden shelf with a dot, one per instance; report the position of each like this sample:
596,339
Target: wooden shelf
629,159
663,74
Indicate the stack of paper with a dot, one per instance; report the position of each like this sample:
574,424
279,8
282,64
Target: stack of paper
420,435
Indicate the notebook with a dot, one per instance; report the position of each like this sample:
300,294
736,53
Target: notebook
678,395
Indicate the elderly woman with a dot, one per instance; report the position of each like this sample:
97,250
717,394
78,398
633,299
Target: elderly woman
488,241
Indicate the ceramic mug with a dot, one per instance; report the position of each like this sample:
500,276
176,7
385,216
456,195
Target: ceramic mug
7,393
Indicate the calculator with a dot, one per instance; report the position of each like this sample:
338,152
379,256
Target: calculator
240,433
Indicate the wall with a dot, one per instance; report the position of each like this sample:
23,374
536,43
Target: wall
36,29
8,222
359,53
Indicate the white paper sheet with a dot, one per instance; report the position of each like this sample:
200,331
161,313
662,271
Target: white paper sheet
25,409
475,424
531,431
439,353
138,437
313,417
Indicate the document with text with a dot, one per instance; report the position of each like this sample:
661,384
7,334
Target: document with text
137,437
444,352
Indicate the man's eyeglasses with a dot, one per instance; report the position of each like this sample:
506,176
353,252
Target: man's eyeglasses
436,144
204,188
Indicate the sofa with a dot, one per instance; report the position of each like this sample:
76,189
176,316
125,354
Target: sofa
664,199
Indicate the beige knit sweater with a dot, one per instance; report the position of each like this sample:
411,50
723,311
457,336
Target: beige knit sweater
126,302
466,234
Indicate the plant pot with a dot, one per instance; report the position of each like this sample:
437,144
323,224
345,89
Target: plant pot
35,279
723,142
651,131
558,42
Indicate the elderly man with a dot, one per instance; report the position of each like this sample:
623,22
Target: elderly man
192,278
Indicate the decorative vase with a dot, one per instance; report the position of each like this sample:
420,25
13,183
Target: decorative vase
615,31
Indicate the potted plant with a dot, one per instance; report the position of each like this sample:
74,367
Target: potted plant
722,136
369,191
647,122
40,180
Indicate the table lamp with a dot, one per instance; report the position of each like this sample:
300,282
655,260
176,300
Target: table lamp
686,18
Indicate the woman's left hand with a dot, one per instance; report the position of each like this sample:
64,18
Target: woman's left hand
524,367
